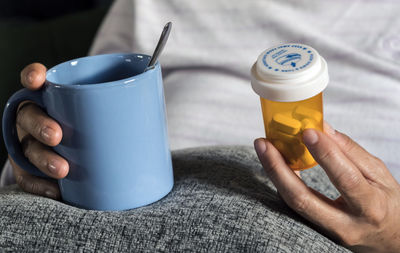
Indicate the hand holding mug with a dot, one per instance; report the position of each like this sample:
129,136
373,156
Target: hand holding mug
108,143
37,133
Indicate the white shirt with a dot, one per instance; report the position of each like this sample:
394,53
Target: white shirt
213,44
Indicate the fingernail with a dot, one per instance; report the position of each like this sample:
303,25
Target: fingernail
56,167
30,77
260,146
52,167
50,194
328,129
47,133
310,137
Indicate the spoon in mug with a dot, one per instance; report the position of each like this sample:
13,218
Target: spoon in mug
160,45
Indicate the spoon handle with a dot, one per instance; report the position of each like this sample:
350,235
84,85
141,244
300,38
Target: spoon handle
160,45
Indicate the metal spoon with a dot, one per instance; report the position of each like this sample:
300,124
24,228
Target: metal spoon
160,45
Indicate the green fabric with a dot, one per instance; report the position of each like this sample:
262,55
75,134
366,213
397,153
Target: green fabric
49,42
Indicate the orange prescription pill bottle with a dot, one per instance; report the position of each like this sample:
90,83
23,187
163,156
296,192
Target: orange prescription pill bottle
289,79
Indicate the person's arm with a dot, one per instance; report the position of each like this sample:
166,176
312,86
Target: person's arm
365,218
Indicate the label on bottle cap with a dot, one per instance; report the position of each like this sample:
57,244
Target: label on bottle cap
288,58
289,72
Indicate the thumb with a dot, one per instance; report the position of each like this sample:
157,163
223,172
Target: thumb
33,76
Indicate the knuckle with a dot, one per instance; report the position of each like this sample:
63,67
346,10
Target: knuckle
379,162
376,218
22,114
329,154
348,143
20,180
377,215
271,169
38,127
39,159
350,237
29,118
25,112
27,152
348,181
31,152
26,144
300,203
34,187
26,184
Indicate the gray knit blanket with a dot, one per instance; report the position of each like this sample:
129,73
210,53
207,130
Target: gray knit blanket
221,202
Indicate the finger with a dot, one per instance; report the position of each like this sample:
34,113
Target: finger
35,185
317,208
44,158
341,171
370,166
33,76
38,124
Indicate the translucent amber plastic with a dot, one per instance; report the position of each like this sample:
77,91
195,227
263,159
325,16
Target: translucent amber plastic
284,124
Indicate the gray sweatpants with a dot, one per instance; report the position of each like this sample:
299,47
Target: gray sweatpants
221,202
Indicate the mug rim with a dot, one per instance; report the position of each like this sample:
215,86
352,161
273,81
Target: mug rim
125,81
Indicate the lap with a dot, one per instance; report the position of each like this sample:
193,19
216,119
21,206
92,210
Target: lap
221,201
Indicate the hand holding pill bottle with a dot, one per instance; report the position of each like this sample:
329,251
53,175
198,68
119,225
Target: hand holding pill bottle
289,79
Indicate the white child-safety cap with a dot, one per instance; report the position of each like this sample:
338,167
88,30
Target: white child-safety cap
289,72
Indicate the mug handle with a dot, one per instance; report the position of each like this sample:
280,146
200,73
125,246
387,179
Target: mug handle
10,131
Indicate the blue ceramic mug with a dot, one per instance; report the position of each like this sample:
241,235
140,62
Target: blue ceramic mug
112,114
